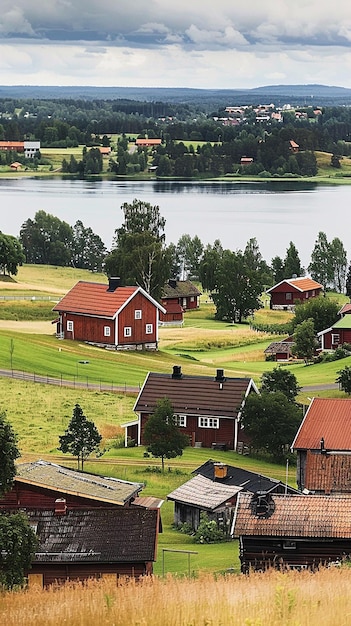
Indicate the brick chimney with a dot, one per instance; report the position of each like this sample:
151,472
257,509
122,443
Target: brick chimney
220,470
177,372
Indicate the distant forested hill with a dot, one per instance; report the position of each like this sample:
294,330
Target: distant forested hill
209,98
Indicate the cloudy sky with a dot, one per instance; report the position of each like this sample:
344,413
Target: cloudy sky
181,43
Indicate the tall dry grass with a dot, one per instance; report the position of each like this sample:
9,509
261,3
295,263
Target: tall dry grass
291,599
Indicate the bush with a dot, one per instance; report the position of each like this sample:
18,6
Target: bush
208,531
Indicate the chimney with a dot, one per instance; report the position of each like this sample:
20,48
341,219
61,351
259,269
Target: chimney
177,372
220,376
172,283
60,506
113,283
220,470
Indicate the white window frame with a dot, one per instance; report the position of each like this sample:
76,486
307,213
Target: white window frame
127,331
70,326
149,329
180,420
137,314
107,331
208,422
335,338
288,296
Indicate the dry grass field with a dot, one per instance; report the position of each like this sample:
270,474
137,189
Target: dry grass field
274,599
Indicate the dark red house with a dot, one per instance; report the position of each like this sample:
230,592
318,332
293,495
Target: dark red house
181,292
40,483
338,334
207,409
109,315
174,315
285,294
323,446
77,544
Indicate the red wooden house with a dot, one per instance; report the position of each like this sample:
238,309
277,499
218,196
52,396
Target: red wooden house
181,292
338,334
113,316
285,294
323,446
207,409
174,315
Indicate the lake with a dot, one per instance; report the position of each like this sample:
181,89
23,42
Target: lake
275,213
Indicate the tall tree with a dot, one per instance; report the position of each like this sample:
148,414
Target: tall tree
81,437
338,261
189,251
8,454
208,265
161,433
11,254
280,379
18,543
278,269
89,250
304,340
271,421
344,379
321,266
47,240
140,255
323,312
348,282
292,263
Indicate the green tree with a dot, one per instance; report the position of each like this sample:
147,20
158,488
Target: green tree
140,255
47,240
280,379
344,379
338,262
18,543
189,251
209,263
321,266
89,250
11,254
8,455
323,312
271,421
292,263
348,282
304,340
162,436
278,269
81,437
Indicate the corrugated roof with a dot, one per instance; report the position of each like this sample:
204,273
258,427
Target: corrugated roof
328,419
64,480
204,493
250,481
194,395
100,535
95,299
182,289
328,472
296,516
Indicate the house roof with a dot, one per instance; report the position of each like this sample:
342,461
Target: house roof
148,142
345,309
173,307
95,299
328,472
64,480
195,395
283,347
249,481
328,419
115,535
181,289
203,493
303,283
295,516
344,322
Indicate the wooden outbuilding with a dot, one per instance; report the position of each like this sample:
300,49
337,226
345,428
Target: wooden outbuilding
181,292
123,318
292,531
280,350
208,409
285,294
174,315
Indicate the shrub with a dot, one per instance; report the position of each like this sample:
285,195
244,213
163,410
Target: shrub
208,531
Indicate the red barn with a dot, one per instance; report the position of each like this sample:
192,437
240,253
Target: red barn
181,292
120,317
285,294
207,409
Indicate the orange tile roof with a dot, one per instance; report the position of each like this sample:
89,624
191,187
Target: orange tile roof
327,418
296,516
304,283
95,299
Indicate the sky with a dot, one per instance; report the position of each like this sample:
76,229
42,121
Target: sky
228,44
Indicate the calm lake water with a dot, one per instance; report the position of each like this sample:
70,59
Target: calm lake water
274,213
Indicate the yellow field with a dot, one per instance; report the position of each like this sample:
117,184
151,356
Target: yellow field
294,599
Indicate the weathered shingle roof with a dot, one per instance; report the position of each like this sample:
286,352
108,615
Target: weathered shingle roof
194,395
328,472
87,298
204,493
116,535
182,289
284,347
249,481
64,480
328,419
296,516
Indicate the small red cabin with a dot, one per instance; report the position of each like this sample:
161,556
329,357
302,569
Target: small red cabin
181,292
285,294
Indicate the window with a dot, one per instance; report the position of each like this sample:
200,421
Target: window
149,329
70,326
127,331
313,293
180,420
137,314
288,296
335,339
289,545
192,299
107,331
208,422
